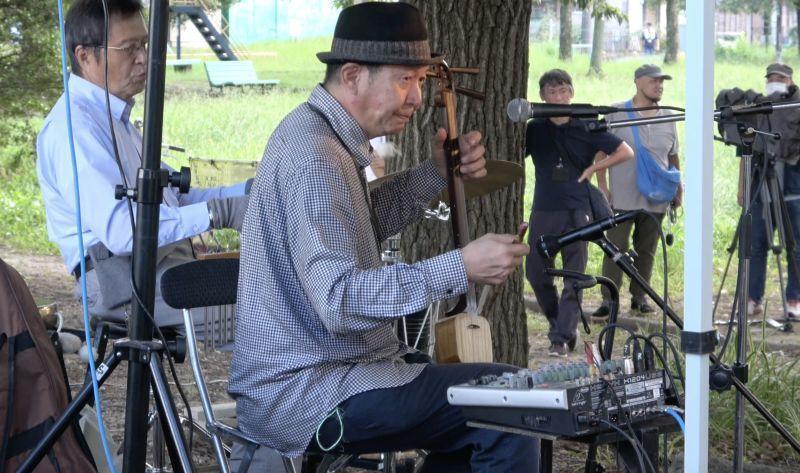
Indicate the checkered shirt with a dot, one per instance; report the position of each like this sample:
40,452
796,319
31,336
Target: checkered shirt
315,304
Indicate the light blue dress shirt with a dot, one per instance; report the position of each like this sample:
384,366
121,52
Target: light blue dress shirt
105,219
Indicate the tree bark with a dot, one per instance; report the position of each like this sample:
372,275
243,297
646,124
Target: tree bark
671,54
596,62
797,28
491,35
779,33
766,16
586,26
565,30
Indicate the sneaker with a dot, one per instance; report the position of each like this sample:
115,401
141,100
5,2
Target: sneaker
792,309
601,313
755,307
558,350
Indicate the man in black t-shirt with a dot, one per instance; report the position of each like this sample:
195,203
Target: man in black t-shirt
563,153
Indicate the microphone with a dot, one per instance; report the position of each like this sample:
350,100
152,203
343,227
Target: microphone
520,110
549,245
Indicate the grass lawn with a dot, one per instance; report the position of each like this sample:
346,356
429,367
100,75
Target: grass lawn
236,125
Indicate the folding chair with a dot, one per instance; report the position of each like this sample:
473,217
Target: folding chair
206,283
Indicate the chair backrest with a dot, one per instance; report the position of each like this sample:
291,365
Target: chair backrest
230,73
201,283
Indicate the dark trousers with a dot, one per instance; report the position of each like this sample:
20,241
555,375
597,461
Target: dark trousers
645,241
418,415
562,314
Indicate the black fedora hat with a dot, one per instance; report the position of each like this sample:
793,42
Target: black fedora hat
380,33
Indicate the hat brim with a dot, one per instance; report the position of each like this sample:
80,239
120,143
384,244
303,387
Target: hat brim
657,75
782,74
333,58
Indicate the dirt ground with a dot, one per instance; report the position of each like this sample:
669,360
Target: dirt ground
49,282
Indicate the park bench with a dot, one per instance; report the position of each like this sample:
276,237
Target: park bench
223,74
182,65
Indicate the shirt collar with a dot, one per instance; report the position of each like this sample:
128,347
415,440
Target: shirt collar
343,124
80,87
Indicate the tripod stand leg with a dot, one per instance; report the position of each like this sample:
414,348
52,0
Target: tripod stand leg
170,424
70,414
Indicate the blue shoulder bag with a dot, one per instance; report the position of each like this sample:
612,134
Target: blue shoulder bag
657,184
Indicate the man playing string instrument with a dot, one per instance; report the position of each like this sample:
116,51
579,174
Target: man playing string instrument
317,365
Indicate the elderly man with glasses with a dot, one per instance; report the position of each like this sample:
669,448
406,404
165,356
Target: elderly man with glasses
106,228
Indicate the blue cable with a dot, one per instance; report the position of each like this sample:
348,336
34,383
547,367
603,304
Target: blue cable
85,306
677,417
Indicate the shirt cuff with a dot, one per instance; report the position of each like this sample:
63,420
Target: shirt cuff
194,218
445,275
427,180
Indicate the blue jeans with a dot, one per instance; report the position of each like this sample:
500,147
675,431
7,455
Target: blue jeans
760,244
418,415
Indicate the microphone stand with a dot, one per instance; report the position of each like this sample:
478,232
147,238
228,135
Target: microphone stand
723,114
627,267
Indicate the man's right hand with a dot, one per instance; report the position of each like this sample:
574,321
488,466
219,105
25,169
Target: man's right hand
492,258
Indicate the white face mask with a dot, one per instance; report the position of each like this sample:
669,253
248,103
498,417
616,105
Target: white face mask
776,87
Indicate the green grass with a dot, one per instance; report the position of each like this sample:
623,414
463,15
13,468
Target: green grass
237,124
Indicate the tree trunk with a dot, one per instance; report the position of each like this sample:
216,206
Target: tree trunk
671,54
565,30
797,28
766,15
491,35
586,26
596,62
779,33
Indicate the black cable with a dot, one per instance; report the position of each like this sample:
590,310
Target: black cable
606,329
660,356
638,448
675,353
135,289
631,440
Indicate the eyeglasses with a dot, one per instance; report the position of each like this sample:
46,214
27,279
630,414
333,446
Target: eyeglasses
130,51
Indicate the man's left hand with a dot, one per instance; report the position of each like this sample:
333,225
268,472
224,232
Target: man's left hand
473,164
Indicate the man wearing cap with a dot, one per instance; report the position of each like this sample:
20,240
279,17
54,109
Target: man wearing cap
317,365
661,140
779,88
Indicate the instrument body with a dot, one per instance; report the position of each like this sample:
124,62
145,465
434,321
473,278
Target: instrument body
461,337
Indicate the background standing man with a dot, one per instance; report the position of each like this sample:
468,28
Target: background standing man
661,140
649,38
317,364
779,87
564,155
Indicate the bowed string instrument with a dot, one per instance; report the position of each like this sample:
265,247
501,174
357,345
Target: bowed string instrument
463,335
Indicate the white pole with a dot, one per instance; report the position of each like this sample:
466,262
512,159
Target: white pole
698,257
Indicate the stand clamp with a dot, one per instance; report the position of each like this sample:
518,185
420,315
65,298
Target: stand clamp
698,343
150,183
